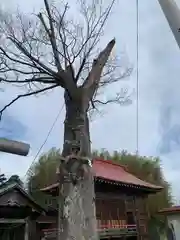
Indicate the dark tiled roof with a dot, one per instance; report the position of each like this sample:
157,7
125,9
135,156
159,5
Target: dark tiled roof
10,186
106,170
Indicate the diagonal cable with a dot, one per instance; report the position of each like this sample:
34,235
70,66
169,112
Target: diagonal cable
29,172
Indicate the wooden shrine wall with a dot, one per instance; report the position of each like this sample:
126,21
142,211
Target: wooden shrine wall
118,211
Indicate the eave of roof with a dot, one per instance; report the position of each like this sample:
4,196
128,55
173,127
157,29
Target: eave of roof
170,211
113,173
50,187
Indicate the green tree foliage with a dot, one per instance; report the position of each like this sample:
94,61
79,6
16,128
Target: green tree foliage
145,168
15,179
44,174
2,178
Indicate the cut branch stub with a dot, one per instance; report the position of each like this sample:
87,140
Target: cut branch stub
93,79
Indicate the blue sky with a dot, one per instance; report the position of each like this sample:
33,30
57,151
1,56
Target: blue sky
159,87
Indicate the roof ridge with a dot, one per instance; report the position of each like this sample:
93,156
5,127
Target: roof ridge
111,162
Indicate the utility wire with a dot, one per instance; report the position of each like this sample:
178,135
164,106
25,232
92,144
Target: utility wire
37,154
137,77
44,142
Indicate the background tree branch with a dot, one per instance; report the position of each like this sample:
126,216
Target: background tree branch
25,95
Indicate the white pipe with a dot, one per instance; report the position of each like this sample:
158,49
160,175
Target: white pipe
172,14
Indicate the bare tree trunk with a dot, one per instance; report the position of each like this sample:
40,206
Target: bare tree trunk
78,215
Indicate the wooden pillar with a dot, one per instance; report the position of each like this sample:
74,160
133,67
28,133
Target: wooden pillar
146,215
125,211
26,231
141,216
136,214
125,207
33,230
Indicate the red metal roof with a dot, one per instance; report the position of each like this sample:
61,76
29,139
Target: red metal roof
108,171
171,210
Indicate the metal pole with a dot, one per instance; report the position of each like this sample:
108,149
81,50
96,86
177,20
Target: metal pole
172,14
14,147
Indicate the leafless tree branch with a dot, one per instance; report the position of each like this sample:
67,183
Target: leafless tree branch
51,34
25,95
44,80
120,99
55,48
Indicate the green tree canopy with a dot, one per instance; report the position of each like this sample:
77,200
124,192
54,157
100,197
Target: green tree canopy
44,174
145,168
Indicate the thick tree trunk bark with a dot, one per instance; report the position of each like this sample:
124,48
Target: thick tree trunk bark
79,216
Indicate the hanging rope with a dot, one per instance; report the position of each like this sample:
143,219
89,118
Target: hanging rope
137,77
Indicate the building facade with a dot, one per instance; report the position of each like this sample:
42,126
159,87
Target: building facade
173,222
120,203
